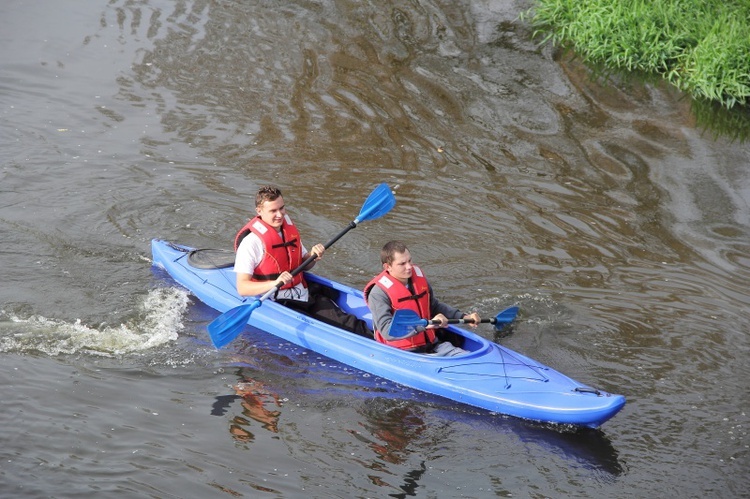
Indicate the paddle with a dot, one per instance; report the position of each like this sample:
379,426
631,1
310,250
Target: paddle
230,324
405,321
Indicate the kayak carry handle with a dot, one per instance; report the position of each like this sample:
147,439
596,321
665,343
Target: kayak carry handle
583,389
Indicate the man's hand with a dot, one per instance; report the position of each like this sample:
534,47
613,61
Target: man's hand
318,251
443,321
472,316
284,278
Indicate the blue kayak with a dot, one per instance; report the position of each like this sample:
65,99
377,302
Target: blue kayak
490,376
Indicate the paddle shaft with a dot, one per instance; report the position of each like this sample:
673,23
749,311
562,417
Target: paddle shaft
463,321
405,320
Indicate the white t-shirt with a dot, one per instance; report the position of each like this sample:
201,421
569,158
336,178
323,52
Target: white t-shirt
250,253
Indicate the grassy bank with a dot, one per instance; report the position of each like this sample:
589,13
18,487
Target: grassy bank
700,46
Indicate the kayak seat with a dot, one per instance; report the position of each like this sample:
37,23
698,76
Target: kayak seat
211,258
355,305
349,300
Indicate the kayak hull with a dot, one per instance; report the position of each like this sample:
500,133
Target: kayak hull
490,376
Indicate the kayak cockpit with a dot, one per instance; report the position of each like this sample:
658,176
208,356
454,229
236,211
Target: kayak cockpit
348,299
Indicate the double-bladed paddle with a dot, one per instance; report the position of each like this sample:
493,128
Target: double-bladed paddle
406,321
230,324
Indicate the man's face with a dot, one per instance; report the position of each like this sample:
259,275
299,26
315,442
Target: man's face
401,267
272,212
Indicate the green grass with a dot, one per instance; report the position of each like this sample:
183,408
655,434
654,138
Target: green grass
700,46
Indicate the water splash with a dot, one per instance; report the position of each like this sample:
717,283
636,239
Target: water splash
158,321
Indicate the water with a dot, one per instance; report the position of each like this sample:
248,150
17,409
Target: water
620,229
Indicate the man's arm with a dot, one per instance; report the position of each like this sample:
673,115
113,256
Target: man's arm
380,306
247,287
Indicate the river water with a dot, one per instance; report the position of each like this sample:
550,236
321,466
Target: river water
620,229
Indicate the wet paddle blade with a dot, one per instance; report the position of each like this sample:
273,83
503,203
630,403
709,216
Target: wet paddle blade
230,324
380,201
404,323
506,316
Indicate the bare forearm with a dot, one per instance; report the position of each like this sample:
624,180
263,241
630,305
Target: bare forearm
311,264
247,287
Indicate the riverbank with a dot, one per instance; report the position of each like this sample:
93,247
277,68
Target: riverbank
701,47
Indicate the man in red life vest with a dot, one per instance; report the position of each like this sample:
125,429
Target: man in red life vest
268,248
402,285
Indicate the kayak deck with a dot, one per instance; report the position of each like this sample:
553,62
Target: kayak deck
489,376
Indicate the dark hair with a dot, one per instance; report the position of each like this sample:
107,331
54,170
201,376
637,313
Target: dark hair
388,253
266,193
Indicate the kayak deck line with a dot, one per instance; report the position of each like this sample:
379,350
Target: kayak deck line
489,376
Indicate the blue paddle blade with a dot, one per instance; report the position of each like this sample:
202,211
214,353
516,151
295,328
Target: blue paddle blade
404,323
506,316
230,324
380,201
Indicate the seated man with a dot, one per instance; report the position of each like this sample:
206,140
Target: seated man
402,285
269,247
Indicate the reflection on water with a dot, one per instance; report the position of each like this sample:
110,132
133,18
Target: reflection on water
585,448
711,117
255,400
257,404
717,121
591,449
392,430
398,433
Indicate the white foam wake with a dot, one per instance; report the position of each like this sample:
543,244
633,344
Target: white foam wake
158,321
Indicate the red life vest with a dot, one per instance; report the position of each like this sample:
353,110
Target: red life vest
402,298
282,253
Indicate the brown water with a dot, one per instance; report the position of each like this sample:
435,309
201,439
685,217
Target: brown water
620,229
